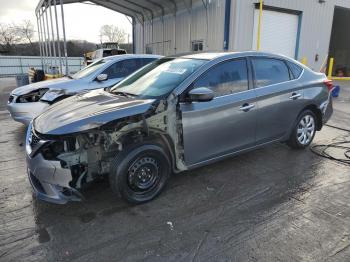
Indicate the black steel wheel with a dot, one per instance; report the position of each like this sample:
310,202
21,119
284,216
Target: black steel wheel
140,172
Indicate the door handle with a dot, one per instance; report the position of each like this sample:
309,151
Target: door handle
295,96
246,107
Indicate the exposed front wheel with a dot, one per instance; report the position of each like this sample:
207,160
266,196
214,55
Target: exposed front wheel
139,173
304,131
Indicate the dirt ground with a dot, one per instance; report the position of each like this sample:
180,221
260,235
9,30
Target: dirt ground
272,204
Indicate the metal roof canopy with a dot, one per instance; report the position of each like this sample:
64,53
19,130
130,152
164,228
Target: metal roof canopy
144,11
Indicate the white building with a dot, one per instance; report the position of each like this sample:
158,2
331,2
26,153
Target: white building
297,28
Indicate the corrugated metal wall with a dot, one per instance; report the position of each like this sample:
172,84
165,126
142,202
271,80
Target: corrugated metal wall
317,19
190,24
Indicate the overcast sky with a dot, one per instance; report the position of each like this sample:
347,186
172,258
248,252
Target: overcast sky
83,21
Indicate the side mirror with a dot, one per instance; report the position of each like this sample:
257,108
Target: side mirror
201,94
102,77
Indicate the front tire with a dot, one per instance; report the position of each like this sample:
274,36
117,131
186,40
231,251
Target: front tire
304,131
139,173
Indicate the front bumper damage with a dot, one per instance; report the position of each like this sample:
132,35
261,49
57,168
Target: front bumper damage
49,180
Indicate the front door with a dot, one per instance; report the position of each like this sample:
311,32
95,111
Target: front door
225,124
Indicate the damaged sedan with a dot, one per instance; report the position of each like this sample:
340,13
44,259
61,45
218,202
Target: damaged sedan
27,102
175,114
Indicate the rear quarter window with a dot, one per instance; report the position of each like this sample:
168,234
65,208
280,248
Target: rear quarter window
295,69
270,71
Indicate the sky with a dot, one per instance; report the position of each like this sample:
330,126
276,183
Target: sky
83,21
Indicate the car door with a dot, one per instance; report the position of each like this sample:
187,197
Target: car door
279,98
226,123
117,72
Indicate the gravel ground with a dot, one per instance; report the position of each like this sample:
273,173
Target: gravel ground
272,204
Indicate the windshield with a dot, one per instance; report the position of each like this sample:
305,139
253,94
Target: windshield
158,78
89,69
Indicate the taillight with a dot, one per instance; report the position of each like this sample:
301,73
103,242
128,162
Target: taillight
329,84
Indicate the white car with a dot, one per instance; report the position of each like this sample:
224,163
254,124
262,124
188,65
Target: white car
27,102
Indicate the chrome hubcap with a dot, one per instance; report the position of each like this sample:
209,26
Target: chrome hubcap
306,129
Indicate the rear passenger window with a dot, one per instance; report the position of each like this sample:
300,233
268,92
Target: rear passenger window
296,70
269,71
226,78
122,68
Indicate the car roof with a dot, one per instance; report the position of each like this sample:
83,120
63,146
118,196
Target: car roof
129,56
215,55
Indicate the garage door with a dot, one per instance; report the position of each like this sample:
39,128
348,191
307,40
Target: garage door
278,32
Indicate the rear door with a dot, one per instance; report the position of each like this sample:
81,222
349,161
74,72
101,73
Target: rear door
225,124
279,98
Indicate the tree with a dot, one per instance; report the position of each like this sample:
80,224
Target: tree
112,33
9,36
26,31
12,34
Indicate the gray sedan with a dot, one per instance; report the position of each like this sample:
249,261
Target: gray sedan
175,114
26,102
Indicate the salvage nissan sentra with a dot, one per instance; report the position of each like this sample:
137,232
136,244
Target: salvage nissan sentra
175,114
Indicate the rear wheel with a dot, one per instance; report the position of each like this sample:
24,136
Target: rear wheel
139,173
304,131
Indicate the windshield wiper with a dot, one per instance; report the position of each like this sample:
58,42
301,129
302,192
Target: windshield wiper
123,94
70,77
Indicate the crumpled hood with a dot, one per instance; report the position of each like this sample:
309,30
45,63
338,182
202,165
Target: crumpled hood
87,111
54,83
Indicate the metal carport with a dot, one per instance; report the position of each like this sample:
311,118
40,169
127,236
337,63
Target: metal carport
51,37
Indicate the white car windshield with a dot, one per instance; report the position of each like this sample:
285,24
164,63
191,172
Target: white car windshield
158,78
89,69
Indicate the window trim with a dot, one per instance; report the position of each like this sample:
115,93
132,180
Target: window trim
249,78
275,58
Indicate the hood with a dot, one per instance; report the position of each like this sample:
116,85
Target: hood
54,83
87,111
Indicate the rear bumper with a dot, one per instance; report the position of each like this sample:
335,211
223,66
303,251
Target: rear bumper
25,112
327,110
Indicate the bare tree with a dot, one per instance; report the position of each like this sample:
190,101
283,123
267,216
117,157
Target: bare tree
26,31
112,33
13,34
9,36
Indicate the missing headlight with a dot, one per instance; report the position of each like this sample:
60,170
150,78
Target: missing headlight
33,96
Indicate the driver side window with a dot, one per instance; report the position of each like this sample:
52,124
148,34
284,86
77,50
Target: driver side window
122,68
225,78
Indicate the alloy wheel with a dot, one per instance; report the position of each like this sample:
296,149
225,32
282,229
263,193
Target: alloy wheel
306,129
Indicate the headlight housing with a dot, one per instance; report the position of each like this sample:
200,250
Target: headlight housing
33,96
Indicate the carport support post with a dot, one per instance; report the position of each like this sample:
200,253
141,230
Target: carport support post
40,41
64,37
259,25
42,25
58,38
330,68
53,36
48,35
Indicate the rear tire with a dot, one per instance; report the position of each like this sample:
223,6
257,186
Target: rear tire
304,131
139,173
